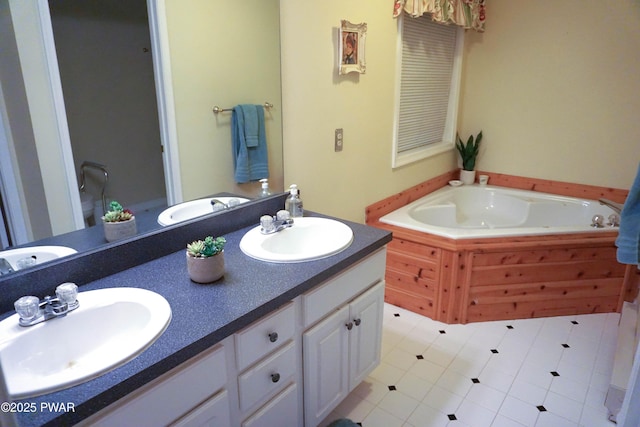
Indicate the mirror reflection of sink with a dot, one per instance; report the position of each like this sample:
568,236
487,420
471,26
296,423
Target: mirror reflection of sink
309,239
26,257
193,209
110,327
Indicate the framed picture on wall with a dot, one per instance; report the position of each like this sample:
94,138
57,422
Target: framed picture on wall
351,40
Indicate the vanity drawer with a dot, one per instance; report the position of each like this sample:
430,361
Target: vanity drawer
265,336
267,378
342,288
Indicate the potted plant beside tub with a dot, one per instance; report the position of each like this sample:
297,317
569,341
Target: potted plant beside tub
119,223
205,259
468,154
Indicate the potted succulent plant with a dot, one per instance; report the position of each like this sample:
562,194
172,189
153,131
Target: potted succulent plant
205,259
119,223
468,154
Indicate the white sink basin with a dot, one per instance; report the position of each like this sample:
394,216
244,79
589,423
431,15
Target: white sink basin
110,327
39,254
192,209
308,239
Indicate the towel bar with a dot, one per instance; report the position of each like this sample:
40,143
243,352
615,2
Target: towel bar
217,109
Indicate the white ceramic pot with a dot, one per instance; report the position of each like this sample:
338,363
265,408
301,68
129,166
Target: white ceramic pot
467,177
205,270
119,230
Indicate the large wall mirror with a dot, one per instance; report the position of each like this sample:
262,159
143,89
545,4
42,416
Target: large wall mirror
138,80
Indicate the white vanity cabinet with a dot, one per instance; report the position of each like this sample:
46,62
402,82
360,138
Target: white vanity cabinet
289,368
343,335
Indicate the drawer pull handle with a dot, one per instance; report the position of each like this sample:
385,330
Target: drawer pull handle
357,322
349,325
275,377
273,336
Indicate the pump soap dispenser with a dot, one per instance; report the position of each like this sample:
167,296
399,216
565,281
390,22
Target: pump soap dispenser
293,204
265,188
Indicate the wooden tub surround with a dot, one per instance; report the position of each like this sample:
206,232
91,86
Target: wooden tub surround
500,278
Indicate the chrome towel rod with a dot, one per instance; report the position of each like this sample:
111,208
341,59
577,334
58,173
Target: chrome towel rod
217,109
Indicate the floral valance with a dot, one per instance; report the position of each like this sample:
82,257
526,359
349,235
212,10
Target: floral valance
465,13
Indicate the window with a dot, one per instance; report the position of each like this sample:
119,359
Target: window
427,89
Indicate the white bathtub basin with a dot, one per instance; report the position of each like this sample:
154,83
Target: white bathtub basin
309,239
490,211
192,209
110,327
38,254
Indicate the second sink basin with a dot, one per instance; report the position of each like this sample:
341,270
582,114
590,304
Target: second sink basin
195,208
35,254
110,327
310,238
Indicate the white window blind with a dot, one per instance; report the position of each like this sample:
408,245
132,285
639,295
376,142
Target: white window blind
428,67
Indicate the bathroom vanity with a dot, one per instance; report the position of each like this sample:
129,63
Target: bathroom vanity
269,344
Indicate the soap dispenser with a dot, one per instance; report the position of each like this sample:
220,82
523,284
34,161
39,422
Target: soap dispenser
264,192
293,204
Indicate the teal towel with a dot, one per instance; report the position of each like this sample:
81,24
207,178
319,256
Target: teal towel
628,241
249,143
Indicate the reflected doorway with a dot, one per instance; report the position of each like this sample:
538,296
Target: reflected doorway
106,69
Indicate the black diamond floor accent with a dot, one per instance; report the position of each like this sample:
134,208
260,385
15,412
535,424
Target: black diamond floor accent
509,327
475,380
566,345
392,388
442,331
574,322
494,351
396,314
419,357
541,408
555,374
452,417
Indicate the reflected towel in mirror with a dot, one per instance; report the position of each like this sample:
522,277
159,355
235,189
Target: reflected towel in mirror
249,143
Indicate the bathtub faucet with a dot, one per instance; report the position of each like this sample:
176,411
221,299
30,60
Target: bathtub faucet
617,207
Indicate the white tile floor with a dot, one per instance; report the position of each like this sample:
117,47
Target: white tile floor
547,372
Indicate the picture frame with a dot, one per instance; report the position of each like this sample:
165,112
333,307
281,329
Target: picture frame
351,41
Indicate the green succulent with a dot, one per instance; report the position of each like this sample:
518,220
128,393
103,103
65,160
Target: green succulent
206,248
117,213
469,152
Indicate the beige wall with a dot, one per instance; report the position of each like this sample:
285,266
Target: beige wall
317,101
553,86
224,55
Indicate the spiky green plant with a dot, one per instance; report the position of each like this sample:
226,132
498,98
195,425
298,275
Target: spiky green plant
469,152
117,213
206,248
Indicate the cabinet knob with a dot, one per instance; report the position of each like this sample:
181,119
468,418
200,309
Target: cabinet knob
349,325
275,377
273,336
357,322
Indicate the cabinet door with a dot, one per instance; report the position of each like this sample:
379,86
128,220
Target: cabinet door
365,338
214,412
325,357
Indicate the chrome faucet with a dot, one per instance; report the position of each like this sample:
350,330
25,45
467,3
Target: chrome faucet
218,205
617,207
270,224
33,311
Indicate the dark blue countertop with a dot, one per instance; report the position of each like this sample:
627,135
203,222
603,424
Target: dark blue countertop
202,315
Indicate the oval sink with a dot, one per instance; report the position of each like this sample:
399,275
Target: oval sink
192,209
309,239
110,327
34,255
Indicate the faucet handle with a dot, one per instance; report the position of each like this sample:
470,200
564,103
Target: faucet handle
283,215
27,307
67,293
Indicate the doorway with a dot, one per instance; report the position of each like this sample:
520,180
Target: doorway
105,60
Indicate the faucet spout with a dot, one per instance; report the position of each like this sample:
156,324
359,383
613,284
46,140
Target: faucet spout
617,207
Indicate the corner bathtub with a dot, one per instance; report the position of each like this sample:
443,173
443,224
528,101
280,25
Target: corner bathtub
490,211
